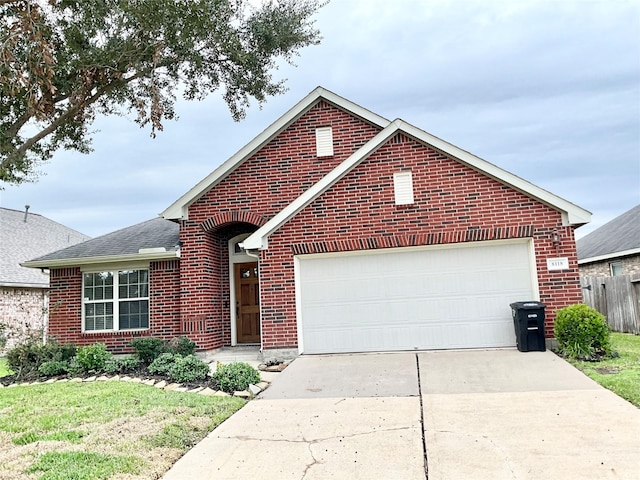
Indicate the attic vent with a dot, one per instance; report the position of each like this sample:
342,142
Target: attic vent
403,188
324,142
398,138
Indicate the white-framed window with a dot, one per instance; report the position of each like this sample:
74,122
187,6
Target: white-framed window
615,268
115,300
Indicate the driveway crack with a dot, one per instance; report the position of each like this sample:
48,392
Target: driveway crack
424,440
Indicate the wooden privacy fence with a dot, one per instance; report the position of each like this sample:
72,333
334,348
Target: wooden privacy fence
617,298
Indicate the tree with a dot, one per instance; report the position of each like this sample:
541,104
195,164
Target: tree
63,62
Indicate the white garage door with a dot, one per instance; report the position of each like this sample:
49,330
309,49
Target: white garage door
412,298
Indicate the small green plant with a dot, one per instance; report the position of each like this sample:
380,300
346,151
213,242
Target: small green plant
582,333
182,346
188,369
163,364
148,348
53,368
92,358
235,376
115,366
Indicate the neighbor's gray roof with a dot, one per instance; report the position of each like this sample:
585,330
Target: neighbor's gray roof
155,233
21,241
622,234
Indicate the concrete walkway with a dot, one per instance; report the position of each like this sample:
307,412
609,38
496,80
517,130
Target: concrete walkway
493,414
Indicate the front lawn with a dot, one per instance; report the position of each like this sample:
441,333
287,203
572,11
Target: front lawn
98,430
620,375
4,369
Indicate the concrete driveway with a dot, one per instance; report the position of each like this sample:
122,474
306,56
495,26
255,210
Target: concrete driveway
490,414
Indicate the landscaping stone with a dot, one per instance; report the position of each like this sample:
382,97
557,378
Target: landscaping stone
207,391
242,394
136,380
151,382
13,385
102,378
263,385
161,384
220,393
125,379
75,380
115,378
196,390
254,389
181,389
51,380
172,386
63,380
90,379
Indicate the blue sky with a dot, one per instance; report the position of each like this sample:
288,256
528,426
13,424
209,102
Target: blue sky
548,90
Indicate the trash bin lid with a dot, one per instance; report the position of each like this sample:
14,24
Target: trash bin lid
527,305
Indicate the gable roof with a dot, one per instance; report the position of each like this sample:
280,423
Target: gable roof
571,213
179,209
27,235
617,238
154,239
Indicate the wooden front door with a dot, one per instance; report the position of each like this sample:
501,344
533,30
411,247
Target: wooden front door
247,302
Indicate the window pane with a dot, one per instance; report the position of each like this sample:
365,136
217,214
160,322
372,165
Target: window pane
134,314
98,316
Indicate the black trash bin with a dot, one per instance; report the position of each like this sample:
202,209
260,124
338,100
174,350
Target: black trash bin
528,320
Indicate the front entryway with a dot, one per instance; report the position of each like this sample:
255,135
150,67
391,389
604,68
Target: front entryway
247,302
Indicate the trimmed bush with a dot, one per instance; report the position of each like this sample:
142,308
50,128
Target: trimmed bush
188,369
121,365
53,368
163,364
148,349
582,333
25,359
93,358
235,376
182,346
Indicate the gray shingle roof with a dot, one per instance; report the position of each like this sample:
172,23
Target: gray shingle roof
21,241
620,234
155,233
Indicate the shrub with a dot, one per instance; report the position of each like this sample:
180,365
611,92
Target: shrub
235,376
582,333
188,369
148,349
182,346
93,358
53,368
121,365
25,358
163,364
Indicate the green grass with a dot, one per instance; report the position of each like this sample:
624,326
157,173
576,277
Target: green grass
92,416
4,368
622,374
83,466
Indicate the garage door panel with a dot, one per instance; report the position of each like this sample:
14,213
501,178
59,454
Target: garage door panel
406,298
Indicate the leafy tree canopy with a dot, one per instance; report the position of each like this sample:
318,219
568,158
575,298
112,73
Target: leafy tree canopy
62,62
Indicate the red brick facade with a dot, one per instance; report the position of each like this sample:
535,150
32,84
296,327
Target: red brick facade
453,203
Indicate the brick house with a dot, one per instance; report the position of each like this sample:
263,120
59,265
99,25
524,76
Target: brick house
334,230
24,292
613,249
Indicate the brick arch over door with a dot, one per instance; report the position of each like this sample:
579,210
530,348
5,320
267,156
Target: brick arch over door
232,216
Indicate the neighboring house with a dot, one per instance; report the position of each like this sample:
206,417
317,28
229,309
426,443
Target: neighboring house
24,291
613,249
334,230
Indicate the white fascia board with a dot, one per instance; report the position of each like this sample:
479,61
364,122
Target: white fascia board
608,256
77,262
179,209
259,239
35,286
572,214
